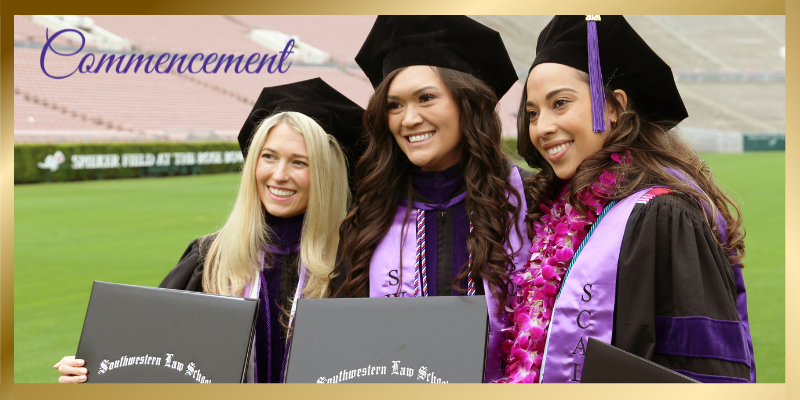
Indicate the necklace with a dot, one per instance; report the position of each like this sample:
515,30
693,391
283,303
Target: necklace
557,235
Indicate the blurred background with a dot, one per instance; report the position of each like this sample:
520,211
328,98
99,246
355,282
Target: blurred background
75,225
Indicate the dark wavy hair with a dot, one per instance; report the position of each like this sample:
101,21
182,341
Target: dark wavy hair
655,147
384,177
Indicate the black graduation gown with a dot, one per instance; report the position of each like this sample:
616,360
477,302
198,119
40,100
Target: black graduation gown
671,266
281,284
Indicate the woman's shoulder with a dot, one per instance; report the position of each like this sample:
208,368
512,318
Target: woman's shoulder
671,206
670,219
188,273
528,180
672,243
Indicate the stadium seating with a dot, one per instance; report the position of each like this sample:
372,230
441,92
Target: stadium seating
181,33
318,31
25,31
715,59
144,103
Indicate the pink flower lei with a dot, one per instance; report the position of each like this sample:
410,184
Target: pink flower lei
560,230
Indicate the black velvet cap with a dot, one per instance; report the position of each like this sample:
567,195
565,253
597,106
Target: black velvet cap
627,62
448,41
334,112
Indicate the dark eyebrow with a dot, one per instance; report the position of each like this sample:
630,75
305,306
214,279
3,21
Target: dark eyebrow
552,93
556,91
416,92
292,156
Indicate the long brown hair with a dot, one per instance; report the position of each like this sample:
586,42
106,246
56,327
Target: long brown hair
654,148
384,177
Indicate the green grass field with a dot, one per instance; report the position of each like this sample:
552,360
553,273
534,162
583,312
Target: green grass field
133,231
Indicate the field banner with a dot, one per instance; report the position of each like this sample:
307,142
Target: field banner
76,162
764,141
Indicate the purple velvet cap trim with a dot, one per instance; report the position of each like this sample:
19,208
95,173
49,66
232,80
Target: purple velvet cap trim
711,378
701,337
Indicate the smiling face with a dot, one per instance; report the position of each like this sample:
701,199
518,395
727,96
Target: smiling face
559,108
282,172
424,118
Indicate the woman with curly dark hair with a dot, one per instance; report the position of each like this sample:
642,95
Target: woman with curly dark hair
634,243
439,209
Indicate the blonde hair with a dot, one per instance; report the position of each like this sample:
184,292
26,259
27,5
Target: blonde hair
233,258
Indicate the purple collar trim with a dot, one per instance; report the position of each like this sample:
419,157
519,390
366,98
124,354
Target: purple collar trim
284,250
431,207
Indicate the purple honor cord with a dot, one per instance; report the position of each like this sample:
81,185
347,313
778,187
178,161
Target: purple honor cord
269,327
300,284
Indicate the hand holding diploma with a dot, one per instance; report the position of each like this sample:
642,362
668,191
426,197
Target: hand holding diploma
71,370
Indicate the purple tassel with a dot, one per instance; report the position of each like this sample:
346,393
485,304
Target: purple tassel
596,79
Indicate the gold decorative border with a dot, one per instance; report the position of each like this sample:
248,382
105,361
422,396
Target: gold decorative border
127,391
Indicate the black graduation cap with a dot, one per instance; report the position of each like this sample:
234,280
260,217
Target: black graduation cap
334,112
453,41
626,61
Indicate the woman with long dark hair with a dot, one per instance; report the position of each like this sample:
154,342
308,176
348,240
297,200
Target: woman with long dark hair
439,209
634,243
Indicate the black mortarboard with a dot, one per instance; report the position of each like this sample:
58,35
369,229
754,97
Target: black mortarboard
454,41
334,112
626,61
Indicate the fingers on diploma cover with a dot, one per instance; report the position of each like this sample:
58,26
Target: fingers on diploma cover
144,334
394,340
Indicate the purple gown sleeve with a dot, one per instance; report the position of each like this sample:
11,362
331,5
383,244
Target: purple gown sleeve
678,298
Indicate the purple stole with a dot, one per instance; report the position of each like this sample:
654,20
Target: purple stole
585,306
391,272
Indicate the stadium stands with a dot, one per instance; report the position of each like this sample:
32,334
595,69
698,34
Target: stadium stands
340,35
354,85
736,106
25,31
730,71
715,42
181,33
144,103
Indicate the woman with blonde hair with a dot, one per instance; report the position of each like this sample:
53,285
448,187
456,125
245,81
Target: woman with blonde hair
280,241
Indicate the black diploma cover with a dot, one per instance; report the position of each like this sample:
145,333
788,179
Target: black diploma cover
605,363
394,340
144,334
